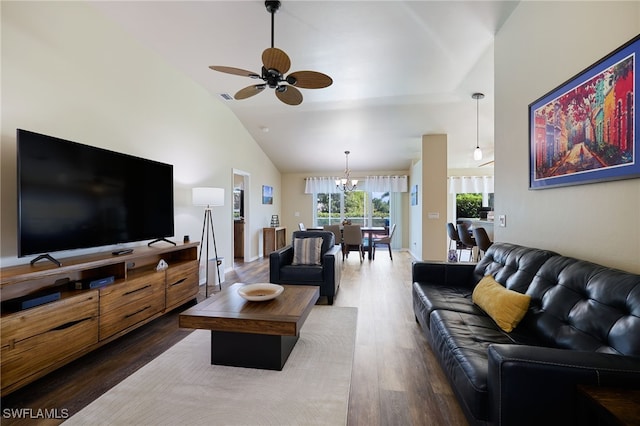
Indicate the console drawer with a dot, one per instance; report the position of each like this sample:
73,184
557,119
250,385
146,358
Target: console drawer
123,305
37,338
182,283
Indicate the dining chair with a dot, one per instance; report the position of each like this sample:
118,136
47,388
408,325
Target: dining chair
352,240
467,240
301,227
482,240
336,232
386,240
454,238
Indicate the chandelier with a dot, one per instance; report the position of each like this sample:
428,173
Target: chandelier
346,184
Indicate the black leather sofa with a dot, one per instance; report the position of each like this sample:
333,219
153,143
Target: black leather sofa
326,275
582,327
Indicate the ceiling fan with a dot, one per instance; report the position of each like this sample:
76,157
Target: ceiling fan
276,64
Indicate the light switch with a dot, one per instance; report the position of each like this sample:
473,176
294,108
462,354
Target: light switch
433,215
502,220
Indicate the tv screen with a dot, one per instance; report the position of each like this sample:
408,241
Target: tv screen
72,195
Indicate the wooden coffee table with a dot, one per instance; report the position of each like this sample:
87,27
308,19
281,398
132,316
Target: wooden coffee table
252,334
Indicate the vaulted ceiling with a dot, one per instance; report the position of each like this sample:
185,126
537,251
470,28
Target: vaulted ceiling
400,69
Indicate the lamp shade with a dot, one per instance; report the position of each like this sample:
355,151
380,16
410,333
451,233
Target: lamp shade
477,154
210,197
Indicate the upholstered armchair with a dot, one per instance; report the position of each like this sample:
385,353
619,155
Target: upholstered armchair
310,259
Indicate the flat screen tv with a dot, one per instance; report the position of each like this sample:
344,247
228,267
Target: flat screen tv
72,196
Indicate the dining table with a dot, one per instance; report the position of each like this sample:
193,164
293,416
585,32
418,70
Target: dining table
368,233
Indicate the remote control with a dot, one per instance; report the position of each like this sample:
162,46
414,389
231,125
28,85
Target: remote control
121,252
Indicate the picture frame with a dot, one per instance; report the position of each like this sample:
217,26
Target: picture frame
267,194
585,130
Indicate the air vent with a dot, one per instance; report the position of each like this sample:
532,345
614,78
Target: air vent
226,96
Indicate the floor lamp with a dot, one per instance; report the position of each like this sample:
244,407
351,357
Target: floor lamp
209,197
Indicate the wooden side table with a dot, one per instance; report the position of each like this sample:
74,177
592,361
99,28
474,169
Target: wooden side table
274,239
608,406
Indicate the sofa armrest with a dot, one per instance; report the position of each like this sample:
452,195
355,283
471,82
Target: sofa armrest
277,259
444,273
329,260
537,385
334,252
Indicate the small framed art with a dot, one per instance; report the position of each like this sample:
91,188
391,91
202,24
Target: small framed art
267,194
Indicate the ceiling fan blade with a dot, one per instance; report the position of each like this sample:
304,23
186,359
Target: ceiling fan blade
235,71
249,91
309,79
487,163
274,58
290,95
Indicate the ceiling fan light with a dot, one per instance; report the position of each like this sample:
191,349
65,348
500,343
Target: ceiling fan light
477,154
275,64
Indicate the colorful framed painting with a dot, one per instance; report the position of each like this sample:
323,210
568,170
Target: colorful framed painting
267,194
584,130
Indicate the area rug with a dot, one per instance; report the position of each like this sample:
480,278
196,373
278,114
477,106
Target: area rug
182,387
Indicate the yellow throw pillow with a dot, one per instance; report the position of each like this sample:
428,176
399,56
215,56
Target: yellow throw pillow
506,307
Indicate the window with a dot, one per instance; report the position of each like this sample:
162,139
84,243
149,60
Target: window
354,207
472,196
469,205
380,202
360,207
328,209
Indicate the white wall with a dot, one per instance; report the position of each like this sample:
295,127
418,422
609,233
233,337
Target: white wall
541,46
70,73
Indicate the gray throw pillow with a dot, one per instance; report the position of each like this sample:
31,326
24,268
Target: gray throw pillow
306,251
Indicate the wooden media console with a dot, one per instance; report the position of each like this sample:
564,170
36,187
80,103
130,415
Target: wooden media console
39,339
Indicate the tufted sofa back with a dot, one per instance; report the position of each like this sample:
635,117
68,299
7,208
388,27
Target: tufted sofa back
575,304
512,265
580,305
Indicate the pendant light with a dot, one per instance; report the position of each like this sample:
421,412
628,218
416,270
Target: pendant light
477,153
346,184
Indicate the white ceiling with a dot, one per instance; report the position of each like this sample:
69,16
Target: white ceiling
401,69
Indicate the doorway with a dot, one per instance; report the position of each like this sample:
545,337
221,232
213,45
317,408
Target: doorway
240,215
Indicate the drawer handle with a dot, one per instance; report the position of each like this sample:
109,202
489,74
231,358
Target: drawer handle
137,312
137,290
179,282
69,324
12,342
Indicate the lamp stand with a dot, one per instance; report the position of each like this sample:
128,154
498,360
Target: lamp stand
207,224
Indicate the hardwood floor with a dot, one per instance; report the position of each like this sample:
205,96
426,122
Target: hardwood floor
396,379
